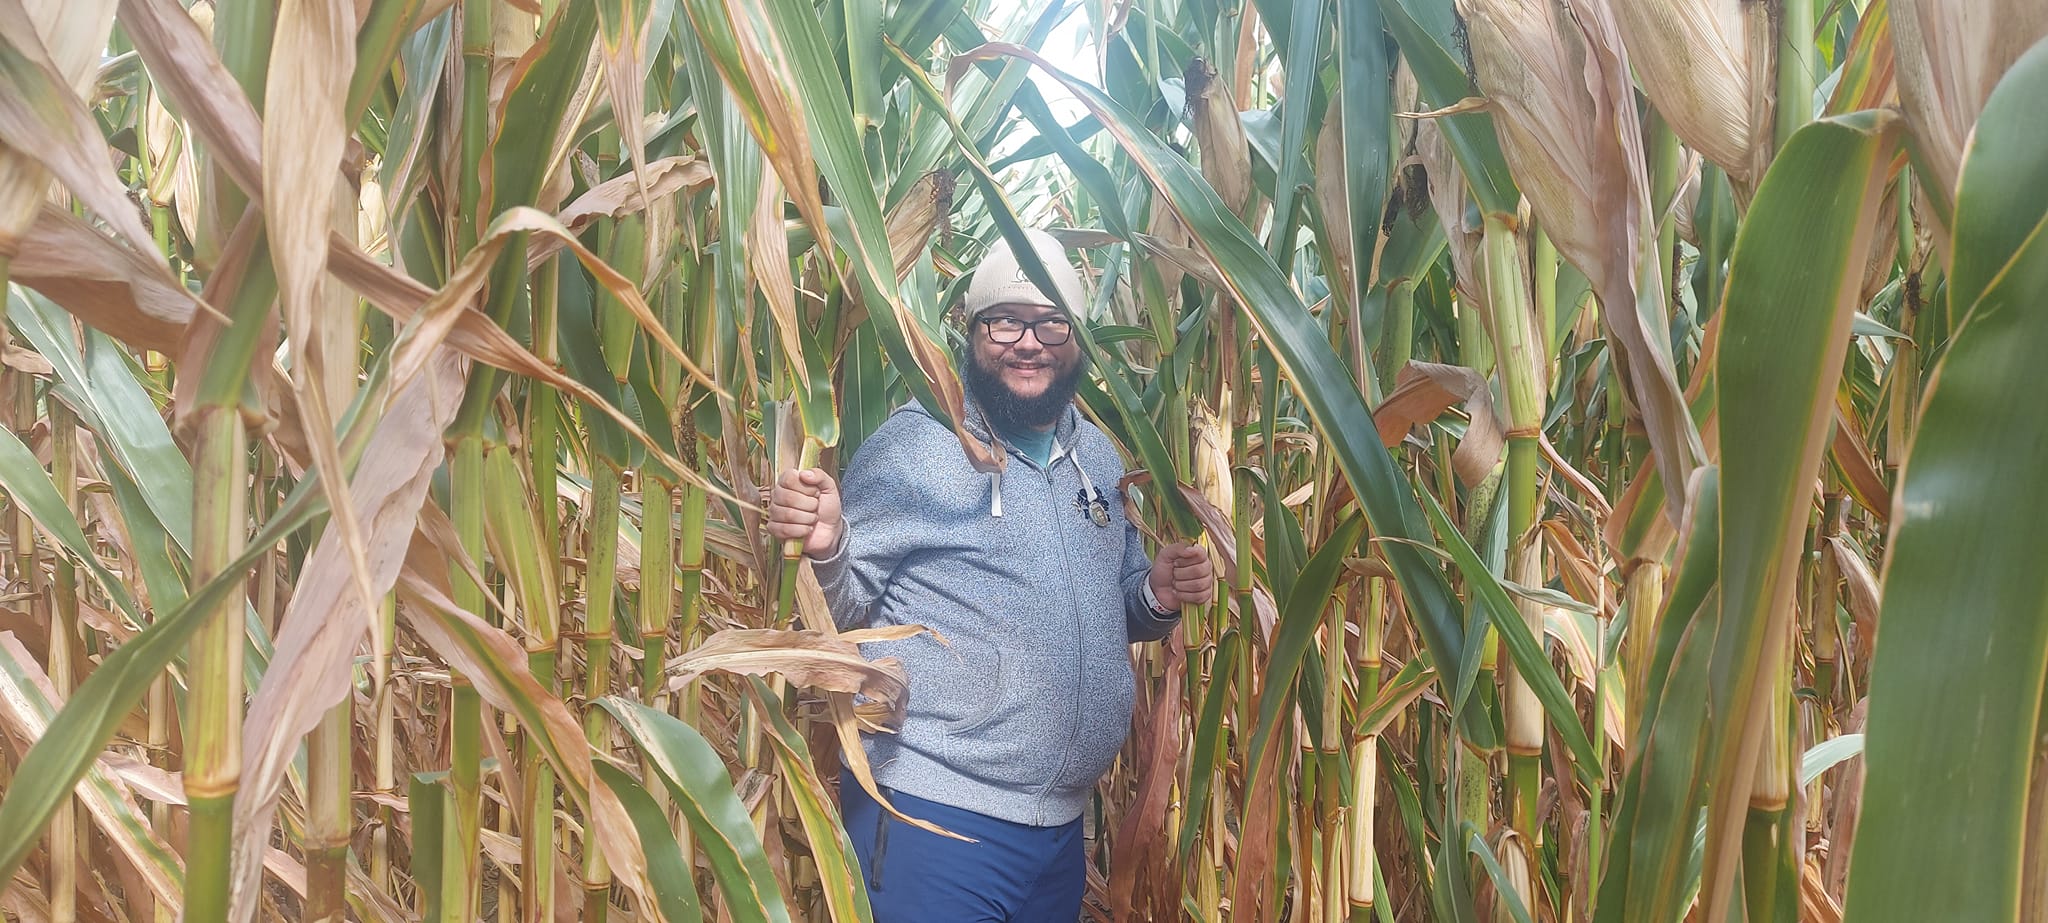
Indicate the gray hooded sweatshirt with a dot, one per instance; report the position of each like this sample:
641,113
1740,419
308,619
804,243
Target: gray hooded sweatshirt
1027,703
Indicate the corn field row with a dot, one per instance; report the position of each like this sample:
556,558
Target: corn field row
1568,391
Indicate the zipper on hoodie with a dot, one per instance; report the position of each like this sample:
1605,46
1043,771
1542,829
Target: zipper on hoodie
1073,619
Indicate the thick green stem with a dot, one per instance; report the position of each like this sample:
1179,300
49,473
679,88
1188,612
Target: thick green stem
690,568
330,748
327,814
543,415
1397,338
537,824
599,573
1795,67
1770,818
536,817
657,579
64,825
1516,344
268,608
1596,798
1543,268
161,710
475,122
385,756
461,856
213,736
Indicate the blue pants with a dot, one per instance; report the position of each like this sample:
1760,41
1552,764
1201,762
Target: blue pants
1015,873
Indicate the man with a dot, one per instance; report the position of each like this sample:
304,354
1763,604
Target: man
1037,583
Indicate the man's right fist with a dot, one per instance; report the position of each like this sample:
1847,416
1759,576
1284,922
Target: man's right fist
804,507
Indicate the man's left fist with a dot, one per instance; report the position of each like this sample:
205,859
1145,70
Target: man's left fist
1182,576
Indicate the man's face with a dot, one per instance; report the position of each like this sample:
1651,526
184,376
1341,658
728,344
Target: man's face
1026,382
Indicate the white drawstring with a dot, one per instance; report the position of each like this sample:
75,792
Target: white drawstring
1087,486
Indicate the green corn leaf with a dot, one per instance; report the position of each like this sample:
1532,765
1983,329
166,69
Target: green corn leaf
1955,698
1793,285
1300,614
675,890
697,780
1365,110
1656,828
838,868
1305,31
1208,737
28,485
526,147
101,388
426,799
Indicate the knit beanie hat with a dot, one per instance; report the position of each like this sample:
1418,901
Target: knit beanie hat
1000,280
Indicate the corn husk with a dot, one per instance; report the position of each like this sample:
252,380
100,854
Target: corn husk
1950,54
1708,66
1447,198
1226,152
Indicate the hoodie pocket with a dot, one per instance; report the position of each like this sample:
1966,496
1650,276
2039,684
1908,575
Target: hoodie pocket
976,690
1020,737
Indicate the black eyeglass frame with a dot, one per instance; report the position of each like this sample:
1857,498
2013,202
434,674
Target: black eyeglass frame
989,325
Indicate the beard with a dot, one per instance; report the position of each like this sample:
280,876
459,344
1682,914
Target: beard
1006,409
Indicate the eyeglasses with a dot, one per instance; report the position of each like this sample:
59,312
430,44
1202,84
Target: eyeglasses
1051,331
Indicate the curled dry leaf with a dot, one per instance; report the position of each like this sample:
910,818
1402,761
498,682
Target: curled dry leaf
195,85
43,118
812,659
1859,467
1143,834
1331,195
1424,390
768,256
622,195
74,33
22,360
1581,574
1447,198
313,56
921,213
111,287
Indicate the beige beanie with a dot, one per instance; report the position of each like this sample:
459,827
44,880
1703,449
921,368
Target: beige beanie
999,280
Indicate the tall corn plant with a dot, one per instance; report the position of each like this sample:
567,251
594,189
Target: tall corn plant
1432,320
